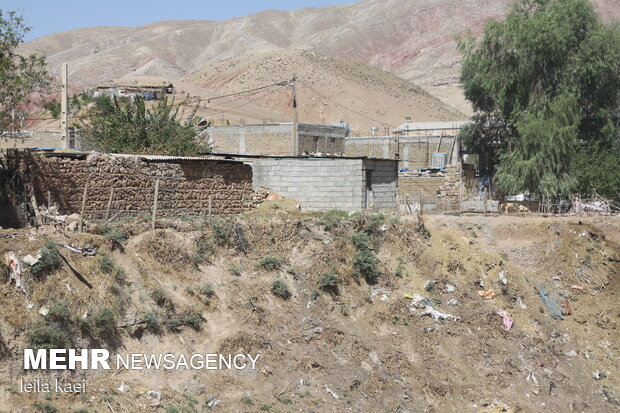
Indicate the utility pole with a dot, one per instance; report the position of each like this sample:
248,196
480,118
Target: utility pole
63,109
295,118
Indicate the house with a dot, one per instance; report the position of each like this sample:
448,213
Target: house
280,139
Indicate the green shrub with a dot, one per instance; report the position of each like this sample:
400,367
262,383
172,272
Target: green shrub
173,324
280,289
120,275
204,252
222,231
49,261
59,312
104,322
329,281
172,409
161,298
366,264
332,219
265,407
361,241
114,234
45,407
247,400
193,320
207,290
47,336
152,322
374,224
82,410
106,264
270,263
236,270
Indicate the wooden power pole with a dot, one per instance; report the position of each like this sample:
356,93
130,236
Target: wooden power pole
295,118
64,108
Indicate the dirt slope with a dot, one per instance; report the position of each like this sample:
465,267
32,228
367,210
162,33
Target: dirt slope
359,347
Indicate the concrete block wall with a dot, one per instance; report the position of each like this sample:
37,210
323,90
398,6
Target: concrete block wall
414,152
328,183
384,177
275,139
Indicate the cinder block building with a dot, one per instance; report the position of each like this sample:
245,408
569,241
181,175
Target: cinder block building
413,152
277,139
350,184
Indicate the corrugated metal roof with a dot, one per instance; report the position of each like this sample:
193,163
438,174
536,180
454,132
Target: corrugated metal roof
413,126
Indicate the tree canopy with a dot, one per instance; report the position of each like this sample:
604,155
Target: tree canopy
545,86
21,77
128,126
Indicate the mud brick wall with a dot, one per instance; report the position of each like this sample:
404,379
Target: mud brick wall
439,193
185,185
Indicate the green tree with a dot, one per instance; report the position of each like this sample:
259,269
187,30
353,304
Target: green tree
21,77
128,126
545,86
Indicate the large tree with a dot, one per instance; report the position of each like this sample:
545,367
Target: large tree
545,86
128,126
21,77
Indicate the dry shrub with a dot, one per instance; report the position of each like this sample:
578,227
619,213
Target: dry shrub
164,249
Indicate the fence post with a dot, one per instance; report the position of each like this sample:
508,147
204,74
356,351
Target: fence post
155,204
107,210
210,205
83,207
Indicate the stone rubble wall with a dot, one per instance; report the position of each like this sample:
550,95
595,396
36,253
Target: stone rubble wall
185,185
438,192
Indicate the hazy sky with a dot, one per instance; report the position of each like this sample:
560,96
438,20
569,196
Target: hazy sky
49,16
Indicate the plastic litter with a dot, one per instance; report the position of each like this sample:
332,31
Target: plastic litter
437,315
507,320
487,294
154,394
450,288
502,277
15,269
30,260
552,301
577,287
453,302
334,395
521,303
213,402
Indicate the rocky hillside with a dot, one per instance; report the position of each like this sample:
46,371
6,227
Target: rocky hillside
359,314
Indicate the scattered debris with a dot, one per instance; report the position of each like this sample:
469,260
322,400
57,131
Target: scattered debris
334,395
453,302
487,294
437,315
507,320
450,288
154,394
551,300
87,251
502,277
598,375
577,287
571,353
213,402
30,260
521,303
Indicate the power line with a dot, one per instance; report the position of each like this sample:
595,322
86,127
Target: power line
345,107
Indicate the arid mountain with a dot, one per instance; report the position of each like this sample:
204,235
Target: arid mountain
412,39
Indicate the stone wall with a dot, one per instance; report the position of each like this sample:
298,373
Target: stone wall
439,192
414,152
330,183
186,184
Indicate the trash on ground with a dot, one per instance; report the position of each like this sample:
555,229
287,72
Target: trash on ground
598,375
487,294
450,288
552,301
15,269
437,315
154,394
502,277
334,395
30,260
507,320
577,287
453,302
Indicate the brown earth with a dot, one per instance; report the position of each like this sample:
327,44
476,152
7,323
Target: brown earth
361,343
412,39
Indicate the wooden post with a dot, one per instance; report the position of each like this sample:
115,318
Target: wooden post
107,210
427,149
49,201
83,207
210,205
155,204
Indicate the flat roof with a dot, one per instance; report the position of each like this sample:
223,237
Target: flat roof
311,157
